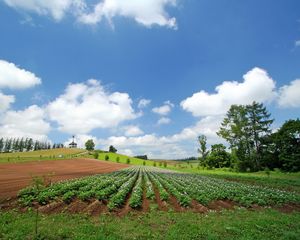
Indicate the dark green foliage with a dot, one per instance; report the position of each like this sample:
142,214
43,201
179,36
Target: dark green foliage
96,155
90,145
287,141
218,157
106,157
117,159
112,149
128,161
243,128
144,157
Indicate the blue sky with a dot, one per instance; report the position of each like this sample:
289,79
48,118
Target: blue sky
190,59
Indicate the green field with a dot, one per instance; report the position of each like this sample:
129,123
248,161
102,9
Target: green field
238,224
133,186
51,154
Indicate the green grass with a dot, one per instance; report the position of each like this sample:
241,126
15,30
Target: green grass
123,159
237,224
51,154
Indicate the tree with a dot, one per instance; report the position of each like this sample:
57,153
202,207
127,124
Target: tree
203,149
90,145
287,140
112,149
1,144
243,128
218,156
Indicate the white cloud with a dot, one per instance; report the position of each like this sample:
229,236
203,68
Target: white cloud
164,109
146,12
87,106
163,120
14,77
257,86
289,95
144,103
297,43
25,123
55,8
132,130
6,101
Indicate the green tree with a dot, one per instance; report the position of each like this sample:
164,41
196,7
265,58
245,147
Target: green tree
243,128
112,149
90,145
1,144
287,140
203,149
218,156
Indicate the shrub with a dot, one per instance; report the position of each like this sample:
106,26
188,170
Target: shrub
165,164
96,155
144,163
106,157
118,159
128,161
154,164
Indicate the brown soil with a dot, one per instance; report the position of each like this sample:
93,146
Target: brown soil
289,208
197,207
95,208
14,177
125,209
76,206
221,204
146,203
175,204
162,205
54,207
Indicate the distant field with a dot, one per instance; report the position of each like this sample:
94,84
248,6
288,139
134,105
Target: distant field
123,159
51,154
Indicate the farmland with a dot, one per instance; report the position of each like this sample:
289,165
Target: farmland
41,155
135,187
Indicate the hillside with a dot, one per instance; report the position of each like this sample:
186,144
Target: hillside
58,153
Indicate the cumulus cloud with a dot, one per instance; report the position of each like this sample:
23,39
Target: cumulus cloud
163,120
146,12
54,8
165,109
289,95
29,122
132,130
87,106
6,101
144,103
14,77
257,86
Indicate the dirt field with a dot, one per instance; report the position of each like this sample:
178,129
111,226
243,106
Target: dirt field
14,177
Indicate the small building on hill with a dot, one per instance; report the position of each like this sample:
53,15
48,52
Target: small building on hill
73,144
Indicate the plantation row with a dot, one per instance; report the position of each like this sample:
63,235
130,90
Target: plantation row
115,188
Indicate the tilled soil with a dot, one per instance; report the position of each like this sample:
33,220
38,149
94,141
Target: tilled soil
14,177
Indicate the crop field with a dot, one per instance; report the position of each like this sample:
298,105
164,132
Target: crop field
138,187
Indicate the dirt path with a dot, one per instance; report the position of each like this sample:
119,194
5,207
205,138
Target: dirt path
14,177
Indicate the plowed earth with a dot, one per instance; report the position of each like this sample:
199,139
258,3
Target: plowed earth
14,177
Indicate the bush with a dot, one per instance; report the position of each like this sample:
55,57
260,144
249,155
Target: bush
165,164
128,161
106,157
96,155
144,163
154,164
118,159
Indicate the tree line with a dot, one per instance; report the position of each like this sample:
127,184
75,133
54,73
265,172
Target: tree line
252,143
25,145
